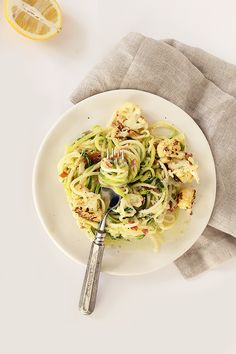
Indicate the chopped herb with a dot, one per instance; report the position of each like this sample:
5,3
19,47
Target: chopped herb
128,209
140,237
150,221
86,156
149,180
156,181
159,183
115,238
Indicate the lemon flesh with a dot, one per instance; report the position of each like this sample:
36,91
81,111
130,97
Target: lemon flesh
35,19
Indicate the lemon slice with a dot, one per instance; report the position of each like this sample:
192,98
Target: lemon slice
35,19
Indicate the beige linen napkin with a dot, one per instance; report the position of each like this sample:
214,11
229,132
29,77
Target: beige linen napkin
203,86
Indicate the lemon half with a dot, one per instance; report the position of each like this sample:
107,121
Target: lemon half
35,19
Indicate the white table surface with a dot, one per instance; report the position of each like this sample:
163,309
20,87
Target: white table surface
39,288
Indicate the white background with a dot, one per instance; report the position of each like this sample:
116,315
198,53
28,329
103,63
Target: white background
39,288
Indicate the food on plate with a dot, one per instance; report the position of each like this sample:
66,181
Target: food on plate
155,179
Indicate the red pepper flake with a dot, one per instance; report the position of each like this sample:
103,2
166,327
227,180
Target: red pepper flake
95,156
172,206
63,174
108,164
134,228
188,154
133,163
145,231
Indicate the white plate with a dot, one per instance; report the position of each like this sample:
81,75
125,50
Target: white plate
54,211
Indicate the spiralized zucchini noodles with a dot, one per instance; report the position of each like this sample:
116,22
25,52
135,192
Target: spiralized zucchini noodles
154,180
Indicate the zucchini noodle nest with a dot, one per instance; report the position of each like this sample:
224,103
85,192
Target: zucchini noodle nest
154,179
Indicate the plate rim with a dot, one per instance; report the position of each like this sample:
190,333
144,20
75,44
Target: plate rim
35,169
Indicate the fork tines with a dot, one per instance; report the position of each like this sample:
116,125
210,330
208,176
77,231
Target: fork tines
117,155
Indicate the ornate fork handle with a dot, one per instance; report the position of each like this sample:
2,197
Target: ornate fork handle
91,278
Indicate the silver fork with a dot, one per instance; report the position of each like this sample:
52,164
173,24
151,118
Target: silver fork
91,278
